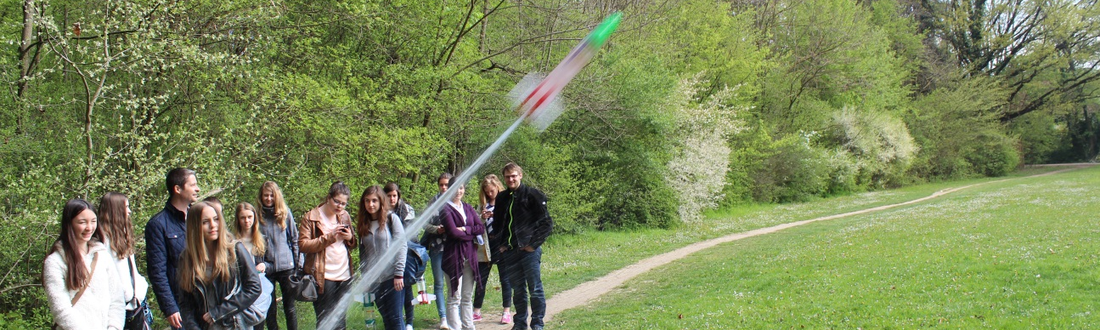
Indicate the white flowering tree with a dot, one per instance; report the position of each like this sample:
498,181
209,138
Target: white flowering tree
701,127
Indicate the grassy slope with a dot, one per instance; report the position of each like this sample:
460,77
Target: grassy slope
571,260
1012,254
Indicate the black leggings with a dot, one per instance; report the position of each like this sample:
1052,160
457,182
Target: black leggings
483,269
327,303
283,279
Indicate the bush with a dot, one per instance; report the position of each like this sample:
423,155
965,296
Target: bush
697,171
994,155
794,171
879,143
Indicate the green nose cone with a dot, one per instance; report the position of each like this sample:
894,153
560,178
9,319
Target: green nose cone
603,31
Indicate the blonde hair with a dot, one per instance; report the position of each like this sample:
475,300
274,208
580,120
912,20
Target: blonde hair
196,258
258,244
490,180
280,204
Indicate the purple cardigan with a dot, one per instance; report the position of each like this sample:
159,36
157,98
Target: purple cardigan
460,246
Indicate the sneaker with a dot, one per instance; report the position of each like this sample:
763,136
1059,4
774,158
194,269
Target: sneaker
408,327
443,324
506,318
477,316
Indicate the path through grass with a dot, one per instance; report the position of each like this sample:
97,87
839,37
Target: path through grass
1014,254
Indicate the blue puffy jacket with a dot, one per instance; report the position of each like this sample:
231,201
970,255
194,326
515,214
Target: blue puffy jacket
165,240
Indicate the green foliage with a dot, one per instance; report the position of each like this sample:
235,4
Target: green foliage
793,171
953,126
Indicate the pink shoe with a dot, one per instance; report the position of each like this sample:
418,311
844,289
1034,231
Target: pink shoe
477,316
506,319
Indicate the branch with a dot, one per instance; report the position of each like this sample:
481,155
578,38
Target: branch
530,40
5,290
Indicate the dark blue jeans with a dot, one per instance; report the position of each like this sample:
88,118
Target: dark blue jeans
390,302
524,273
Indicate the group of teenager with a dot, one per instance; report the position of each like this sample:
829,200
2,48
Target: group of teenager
204,277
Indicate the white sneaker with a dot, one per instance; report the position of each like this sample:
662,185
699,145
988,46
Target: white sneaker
443,324
408,327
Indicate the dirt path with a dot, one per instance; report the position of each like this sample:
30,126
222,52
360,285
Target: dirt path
587,292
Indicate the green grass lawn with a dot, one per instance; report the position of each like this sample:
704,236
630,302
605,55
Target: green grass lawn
1019,253
570,260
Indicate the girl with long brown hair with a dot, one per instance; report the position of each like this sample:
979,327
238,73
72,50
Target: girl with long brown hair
78,275
118,236
378,229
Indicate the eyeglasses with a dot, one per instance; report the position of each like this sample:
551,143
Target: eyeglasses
339,203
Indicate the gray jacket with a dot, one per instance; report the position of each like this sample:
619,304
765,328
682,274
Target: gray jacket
282,244
372,246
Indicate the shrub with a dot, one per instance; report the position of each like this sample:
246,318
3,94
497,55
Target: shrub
697,170
994,155
879,142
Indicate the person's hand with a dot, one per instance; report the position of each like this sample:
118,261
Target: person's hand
398,284
528,249
345,234
440,230
175,320
261,267
486,214
463,228
206,317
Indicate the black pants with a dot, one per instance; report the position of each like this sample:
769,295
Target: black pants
327,303
283,279
410,308
505,287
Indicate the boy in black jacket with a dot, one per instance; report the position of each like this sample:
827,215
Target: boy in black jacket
525,225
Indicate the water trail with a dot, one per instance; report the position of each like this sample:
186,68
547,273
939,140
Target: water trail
370,273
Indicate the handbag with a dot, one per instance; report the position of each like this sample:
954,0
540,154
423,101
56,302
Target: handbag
302,286
139,318
257,312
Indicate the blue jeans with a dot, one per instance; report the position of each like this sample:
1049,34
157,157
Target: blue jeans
439,279
525,274
390,302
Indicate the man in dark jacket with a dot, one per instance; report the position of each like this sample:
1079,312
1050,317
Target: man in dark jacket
525,224
165,240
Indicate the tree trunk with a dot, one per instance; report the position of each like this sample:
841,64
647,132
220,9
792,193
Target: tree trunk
25,46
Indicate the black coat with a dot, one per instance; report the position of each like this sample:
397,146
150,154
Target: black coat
522,218
216,297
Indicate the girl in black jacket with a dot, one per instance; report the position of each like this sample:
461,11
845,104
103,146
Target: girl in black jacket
217,278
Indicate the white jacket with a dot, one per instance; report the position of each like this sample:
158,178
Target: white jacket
122,268
101,306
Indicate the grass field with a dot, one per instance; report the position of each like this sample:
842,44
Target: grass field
1018,254
572,260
